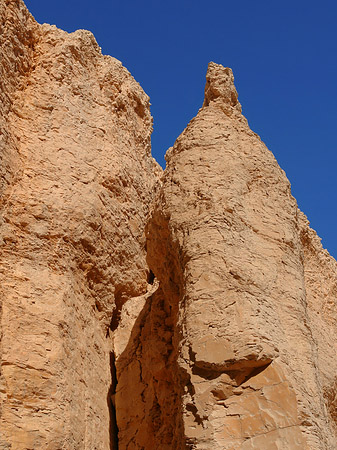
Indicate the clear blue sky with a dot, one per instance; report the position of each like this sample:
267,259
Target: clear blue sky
284,58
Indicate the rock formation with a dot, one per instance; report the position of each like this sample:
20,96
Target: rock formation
242,270
77,179
140,309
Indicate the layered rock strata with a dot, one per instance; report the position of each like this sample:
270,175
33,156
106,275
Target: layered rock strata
140,310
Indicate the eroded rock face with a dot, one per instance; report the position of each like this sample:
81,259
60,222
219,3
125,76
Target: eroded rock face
194,309
226,241
77,181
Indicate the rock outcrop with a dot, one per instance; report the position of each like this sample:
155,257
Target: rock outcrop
77,182
243,271
193,308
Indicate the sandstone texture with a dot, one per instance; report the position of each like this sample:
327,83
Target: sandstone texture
76,185
187,309
253,292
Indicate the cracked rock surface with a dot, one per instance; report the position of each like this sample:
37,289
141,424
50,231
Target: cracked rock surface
140,309
76,185
238,262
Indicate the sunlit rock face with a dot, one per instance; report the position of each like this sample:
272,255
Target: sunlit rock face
77,180
141,309
247,279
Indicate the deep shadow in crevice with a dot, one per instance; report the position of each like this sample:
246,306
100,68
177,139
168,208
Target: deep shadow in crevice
115,318
206,373
120,299
240,375
194,410
255,371
150,277
113,428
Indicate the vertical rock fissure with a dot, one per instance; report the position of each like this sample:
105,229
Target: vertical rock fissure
148,397
113,428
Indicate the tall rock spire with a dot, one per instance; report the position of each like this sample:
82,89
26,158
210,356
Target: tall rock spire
226,243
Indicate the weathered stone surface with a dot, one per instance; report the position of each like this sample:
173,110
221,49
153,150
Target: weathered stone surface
228,245
77,181
194,309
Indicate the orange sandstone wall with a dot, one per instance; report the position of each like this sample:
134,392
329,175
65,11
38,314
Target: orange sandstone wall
78,178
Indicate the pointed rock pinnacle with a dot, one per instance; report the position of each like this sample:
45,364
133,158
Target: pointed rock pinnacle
220,88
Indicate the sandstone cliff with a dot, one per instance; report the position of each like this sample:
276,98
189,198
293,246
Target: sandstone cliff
77,181
193,308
